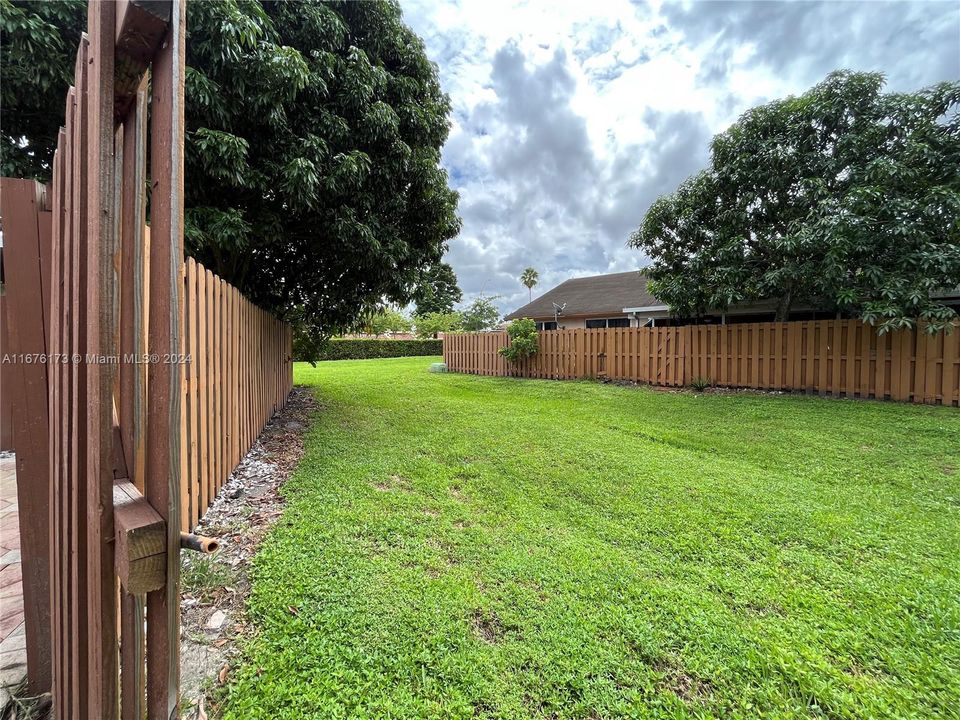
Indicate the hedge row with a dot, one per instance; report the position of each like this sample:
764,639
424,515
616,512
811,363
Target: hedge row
368,348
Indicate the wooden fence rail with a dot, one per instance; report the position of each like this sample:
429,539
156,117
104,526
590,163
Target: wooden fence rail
836,357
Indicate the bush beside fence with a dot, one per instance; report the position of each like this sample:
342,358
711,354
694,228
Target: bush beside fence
370,348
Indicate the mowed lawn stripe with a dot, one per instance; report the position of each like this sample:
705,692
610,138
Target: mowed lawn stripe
460,546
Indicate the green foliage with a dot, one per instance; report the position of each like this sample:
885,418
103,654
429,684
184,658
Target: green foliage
312,152
439,322
321,125
437,290
369,348
701,383
389,320
530,278
845,198
481,314
38,48
523,340
473,547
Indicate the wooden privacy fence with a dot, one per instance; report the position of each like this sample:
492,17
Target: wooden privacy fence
836,357
157,375
239,374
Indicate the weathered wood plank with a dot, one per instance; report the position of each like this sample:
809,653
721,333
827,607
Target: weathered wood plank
27,267
163,447
140,28
141,537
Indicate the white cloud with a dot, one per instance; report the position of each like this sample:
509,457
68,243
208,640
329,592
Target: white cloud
570,118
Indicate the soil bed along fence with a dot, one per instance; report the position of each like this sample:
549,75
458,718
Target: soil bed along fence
836,357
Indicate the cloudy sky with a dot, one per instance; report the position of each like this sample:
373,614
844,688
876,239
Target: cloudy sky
571,117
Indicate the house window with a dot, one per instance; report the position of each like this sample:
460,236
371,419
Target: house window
607,323
551,325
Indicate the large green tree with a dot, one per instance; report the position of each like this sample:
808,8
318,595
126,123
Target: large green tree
845,198
388,320
437,290
313,137
38,47
432,324
481,314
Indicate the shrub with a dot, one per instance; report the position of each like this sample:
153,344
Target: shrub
364,348
523,340
701,383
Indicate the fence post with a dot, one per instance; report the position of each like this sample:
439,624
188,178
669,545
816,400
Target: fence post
166,295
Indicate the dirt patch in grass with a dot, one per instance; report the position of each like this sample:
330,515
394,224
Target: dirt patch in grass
214,588
395,483
685,685
486,626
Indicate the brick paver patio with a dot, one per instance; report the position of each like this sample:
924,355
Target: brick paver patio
13,653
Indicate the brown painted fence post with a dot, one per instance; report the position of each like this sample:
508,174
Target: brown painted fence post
166,295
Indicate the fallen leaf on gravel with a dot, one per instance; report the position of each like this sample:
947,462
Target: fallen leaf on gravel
201,712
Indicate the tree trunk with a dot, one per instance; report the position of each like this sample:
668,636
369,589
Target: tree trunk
783,307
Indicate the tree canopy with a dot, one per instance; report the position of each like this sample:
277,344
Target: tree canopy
437,290
388,320
38,46
312,151
529,278
429,325
844,198
481,314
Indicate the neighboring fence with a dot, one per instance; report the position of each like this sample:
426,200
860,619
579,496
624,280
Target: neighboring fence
836,357
239,375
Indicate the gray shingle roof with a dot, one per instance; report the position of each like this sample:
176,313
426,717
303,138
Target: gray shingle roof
591,295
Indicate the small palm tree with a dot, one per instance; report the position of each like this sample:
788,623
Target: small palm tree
529,278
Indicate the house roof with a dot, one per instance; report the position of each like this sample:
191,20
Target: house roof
594,295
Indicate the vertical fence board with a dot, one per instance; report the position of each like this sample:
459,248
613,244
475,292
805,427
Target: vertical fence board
194,407
203,498
27,264
950,383
166,295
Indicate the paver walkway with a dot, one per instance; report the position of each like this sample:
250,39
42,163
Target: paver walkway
13,652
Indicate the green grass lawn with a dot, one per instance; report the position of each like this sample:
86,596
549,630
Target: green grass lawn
459,547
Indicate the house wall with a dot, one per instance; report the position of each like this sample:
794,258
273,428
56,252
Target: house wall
579,322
